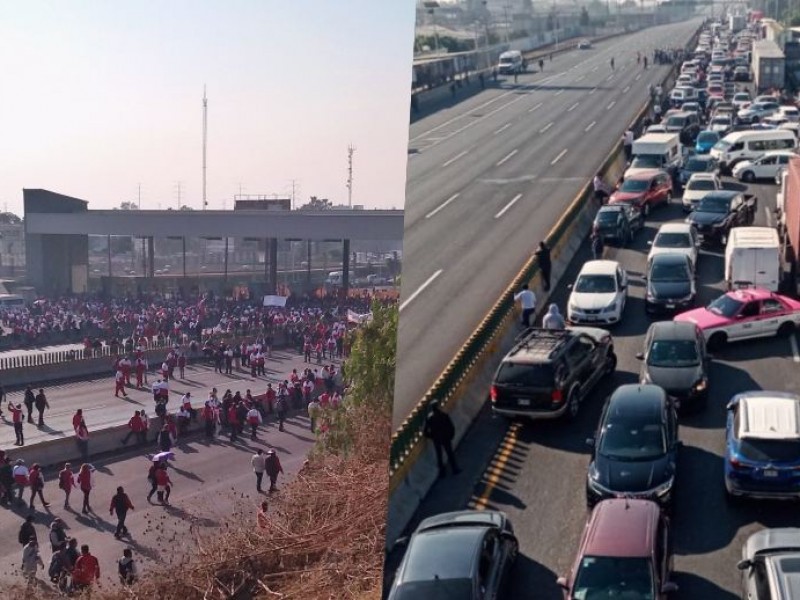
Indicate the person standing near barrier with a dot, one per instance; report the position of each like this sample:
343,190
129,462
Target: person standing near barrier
21,479
135,426
82,439
527,300
66,481
29,400
545,266
627,143
597,244
440,430
6,482
182,364
16,418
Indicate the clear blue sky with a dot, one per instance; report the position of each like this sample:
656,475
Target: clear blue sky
100,96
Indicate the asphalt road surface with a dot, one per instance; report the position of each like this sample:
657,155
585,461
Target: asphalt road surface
541,485
101,409
210,481
488,178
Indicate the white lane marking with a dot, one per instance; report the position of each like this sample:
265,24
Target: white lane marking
580,78
506,157
626,90
595,69
507,206
559,92
455,158
768,213
546,127
559,157
638,77
610,77
421,288
592,91
611,105
795,352
441,206
533,108
503,128
573,107
461,116
590,125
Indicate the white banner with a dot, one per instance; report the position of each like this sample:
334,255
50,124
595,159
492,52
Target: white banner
274,300
354,317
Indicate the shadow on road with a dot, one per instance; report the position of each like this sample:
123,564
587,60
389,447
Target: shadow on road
694,587
726,380
530,575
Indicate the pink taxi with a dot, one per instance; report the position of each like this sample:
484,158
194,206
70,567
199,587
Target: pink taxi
745,314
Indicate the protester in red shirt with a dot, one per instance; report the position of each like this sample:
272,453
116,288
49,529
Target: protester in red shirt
86,569
86,484
163,484
66,481
16,417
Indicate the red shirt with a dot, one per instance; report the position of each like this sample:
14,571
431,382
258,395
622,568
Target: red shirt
76,420
87,569
136,424
162,478
16,414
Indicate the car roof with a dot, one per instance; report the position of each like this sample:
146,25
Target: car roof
673,330
669,258
622,527
675,227
750,294
773,540
642,399
702,175
599,267
769,415
645,174
442,553
723,194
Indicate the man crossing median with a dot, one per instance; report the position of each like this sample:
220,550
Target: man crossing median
527,300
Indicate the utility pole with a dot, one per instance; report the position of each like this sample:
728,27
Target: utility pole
350,150
178,193
205,144
139,197
293,190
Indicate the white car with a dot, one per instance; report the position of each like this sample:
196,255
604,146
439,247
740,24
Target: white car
697,187
766,167
598,295
721,124
741,100
790,113
757,111
675,238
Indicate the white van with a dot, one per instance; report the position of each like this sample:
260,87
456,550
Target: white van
510,62
335,278
753,257
11,301
749,145
654,151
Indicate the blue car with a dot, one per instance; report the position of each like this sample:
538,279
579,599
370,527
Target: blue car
762,449
705,141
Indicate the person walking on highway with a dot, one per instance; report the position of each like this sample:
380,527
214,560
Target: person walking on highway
527,300
6,481
86,483
209,417
27,531
57,534
119,384
597,244
553,319
29,400
281,408
21,478
140,369
259,463
66,481
254,420
126,567
542,255
121,504
440,430
41,404
36,480
182,365
31,560
612,63
273,468
16,418
541,65
164,439
163,483
86,570
313,413
151,477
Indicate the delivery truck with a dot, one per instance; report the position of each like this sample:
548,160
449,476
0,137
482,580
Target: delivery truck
655,151
753,258
788,216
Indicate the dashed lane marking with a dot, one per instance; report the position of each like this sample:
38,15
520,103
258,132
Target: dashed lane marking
611,105
420,289
533,108
573,107
508,206
506,157
590,125
455,158
546,127
503,128
559,157
441,206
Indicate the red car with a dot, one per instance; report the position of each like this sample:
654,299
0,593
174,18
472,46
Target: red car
645,189
625,552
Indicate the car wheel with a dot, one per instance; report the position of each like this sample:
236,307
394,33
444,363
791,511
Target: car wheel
611,364
748,177
573,403
718,341
786,329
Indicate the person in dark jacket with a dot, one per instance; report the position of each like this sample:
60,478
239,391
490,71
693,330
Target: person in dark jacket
121,504
164,439
6,481
543,257
272,466
41,403
440,430
29,400
597,244
27,531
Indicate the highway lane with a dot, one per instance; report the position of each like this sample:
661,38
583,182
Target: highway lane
491,176
213,485
101,409
541,484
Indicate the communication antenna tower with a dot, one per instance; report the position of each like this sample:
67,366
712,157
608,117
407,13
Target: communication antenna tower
350,150
205,144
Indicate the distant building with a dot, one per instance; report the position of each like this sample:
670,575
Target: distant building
12,244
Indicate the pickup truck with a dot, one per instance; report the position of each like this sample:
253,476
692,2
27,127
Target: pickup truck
719,212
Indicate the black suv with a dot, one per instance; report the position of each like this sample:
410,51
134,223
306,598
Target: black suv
548,373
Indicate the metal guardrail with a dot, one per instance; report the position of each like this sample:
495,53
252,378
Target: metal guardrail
410,433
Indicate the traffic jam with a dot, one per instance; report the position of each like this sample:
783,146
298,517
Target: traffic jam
710,145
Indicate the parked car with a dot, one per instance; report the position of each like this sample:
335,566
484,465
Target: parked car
722,124
756,111
770,559
675,358
741,100
673,238
645,189
744,314
741,73
467,554
762,446
695,163
548,373
635,449
705,141
765,167
670,284
698,186
718,212
599,294
618,222
625,552
584,45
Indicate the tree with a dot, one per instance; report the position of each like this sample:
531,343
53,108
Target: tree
128,206
315,203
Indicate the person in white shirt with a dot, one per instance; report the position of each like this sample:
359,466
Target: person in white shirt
254,420
527,300
553,318
258,461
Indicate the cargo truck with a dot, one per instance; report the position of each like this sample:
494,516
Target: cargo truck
788,213
736,22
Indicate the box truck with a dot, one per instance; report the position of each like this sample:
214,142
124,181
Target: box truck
655,151
753,257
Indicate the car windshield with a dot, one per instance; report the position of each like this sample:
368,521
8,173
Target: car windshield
673,240
676,121
646,162
725,306
605,578
607,217
632,438
441,554
696,165
673,353
761,450
714,205
669,272
596,284
723,144
702,185
634,185
707,137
